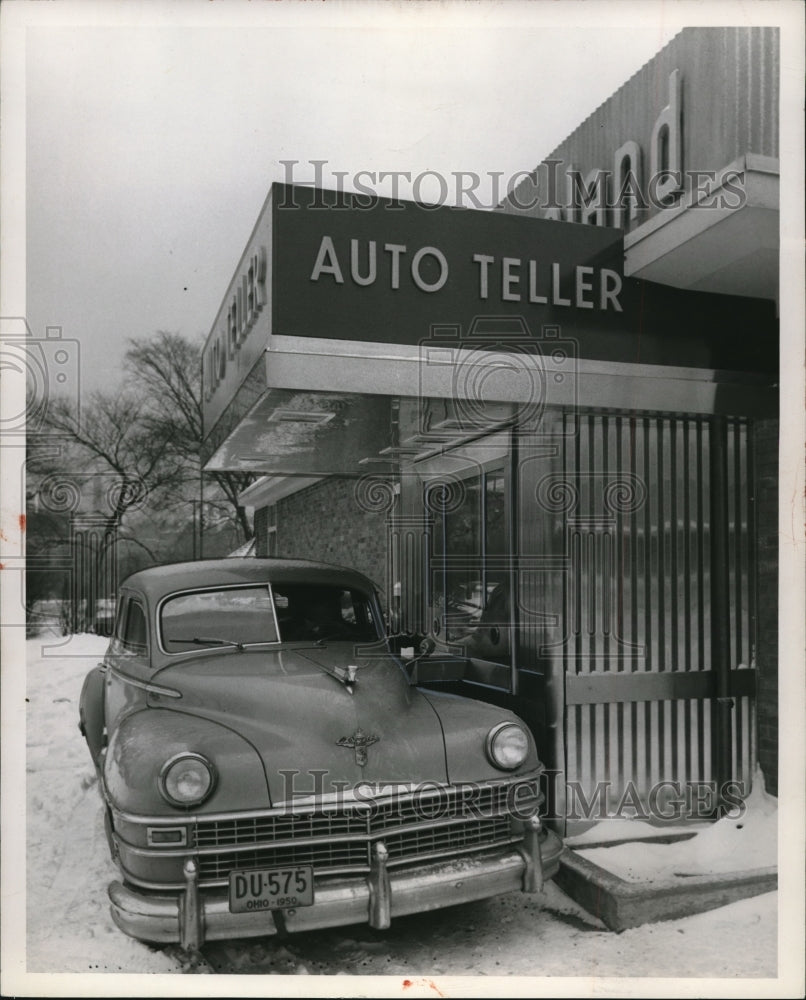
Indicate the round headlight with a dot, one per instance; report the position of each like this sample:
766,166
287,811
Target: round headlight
507,746
187,779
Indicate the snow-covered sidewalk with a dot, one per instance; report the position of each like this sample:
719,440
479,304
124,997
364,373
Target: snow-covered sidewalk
744,842
69,929
68,863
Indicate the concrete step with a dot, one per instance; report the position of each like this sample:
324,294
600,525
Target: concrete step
620,904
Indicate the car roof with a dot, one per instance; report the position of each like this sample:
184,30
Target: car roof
156,581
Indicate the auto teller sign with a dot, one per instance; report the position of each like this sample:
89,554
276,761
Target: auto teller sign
509,271
365,269
361,269
370,269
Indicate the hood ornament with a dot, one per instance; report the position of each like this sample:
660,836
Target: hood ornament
359,742
347,676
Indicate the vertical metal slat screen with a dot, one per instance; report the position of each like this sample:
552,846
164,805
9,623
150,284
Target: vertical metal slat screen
638,594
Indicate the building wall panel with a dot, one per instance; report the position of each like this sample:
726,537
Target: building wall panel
624,503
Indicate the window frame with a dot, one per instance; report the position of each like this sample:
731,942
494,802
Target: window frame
496,468
139,649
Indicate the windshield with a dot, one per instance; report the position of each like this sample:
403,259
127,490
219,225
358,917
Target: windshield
216,617
300,612
308,611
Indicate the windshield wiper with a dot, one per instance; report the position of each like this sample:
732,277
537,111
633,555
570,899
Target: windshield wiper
325,639
343,636
201,640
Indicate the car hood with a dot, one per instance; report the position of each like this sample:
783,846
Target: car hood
294,714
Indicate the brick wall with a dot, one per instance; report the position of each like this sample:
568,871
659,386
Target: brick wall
261,534
325,522
765,442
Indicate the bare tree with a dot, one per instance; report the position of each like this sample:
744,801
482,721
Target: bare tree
167,367
124,475
114,464
114,437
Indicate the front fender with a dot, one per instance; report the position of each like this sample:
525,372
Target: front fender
465,725
91,719
143,742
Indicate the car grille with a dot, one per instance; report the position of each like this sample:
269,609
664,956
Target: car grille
430,824
451,839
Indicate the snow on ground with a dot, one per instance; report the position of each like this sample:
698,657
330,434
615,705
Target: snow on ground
622,829
69,928
68,863
739,843
521,935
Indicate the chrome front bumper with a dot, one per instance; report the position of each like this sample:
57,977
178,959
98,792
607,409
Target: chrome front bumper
195,916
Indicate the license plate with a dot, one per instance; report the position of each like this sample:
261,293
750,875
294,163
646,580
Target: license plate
270,889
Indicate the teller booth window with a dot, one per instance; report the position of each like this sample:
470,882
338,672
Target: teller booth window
470,564
466,494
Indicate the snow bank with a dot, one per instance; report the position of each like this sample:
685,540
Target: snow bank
68,863
733,844
622,829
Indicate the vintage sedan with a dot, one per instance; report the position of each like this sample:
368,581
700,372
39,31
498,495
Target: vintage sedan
268,765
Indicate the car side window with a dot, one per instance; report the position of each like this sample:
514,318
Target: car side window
134,629
120,616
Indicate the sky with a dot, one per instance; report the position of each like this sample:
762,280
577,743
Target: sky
151,146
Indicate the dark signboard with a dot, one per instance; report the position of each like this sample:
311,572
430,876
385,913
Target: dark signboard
349,267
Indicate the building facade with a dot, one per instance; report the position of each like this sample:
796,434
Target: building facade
547,432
